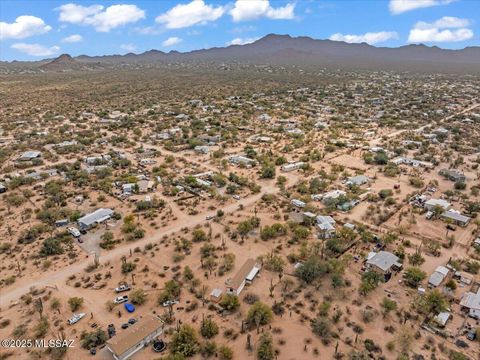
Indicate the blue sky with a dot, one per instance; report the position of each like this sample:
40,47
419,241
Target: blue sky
31,30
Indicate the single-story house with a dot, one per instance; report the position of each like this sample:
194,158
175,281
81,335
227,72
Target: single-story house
292,166
442,318
332,195
145,186
29,155
438,276
216,295
325,226
432,203
128,189
453,175
297,203
239,159
471,302
201,149
456,217
97,217
135,338
357,180
383,262
244,276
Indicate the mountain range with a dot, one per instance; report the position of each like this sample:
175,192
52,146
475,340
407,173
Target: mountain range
286,50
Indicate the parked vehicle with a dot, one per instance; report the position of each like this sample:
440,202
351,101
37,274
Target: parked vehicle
209,217
123,287
74,232
111,330
429,215
75,318
121,299
125,326
169,303
132,321
236,197
461,344
451,227
471,335
129,307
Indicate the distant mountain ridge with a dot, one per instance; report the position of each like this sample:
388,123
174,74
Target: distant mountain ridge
287,50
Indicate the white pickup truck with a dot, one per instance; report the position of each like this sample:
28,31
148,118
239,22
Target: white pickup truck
121,299
75,318
74,232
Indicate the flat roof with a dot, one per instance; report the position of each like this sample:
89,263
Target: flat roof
134,334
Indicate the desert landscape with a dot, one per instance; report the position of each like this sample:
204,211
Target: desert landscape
259,201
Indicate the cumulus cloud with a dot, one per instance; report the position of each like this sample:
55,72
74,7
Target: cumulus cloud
400,6
369,37
250,10
23,27
101,18
128,47
446,29
36,49
193,13
171,41
241,41
72,38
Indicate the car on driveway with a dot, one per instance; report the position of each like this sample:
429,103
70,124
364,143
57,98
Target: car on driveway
74,232
121,299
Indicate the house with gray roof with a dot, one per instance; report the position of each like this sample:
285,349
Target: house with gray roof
383,262
97,217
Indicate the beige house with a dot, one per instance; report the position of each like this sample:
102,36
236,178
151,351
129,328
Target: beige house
135,338
244,276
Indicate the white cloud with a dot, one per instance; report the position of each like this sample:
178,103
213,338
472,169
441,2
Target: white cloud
72,38
400,6
101,18
36,49
24,26
128,47
250,10
446,29
171,41
241,41
369,37
193,13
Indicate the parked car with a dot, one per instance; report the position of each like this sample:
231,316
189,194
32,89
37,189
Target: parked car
123,287
111,330
169,303
126,325
121,299
451,227
461,344
132,321
236,197
209,217
429,215
471,335
75,318
74,231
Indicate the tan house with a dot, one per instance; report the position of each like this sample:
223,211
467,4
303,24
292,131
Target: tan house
244,276
135,338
